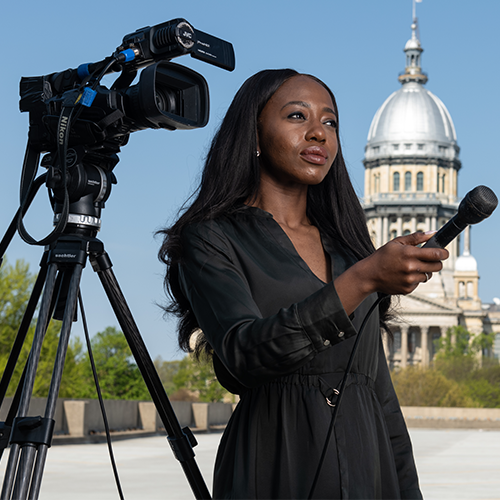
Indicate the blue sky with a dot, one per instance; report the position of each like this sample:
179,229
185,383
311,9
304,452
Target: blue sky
356,47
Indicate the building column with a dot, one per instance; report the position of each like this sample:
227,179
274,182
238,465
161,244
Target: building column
385,229
413,224
433,223
424,345
404,345
427,223
379,232
400,225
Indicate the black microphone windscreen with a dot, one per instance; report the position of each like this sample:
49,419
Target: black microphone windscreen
477,205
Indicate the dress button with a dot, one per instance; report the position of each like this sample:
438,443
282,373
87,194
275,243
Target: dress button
341,334
326,342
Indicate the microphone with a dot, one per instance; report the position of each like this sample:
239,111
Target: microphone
476,206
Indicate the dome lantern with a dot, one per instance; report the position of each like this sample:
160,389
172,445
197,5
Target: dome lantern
413,51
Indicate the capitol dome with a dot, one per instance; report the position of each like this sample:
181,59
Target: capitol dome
412,121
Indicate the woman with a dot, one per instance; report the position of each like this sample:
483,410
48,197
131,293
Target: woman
273,262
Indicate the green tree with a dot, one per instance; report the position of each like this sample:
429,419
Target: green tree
461,374
118,374
16,284
417,386
459,354
166,371
197,376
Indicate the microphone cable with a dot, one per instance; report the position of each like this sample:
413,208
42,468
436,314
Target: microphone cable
340,392
99,396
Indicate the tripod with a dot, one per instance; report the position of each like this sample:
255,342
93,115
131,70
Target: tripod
30,437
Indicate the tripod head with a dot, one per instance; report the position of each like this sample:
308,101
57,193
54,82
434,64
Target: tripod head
89,178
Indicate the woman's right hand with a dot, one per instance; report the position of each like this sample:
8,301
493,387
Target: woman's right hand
396,268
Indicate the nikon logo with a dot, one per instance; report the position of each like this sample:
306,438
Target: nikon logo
62,129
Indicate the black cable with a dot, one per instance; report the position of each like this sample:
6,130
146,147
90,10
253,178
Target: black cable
61,224
11,230
341,393
99,395
31,160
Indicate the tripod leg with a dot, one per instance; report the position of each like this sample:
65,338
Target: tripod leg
55,382
16,350
180,442
30,375
33,447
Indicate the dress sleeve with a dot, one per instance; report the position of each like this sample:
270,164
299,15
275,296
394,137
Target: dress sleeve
254,349
398,433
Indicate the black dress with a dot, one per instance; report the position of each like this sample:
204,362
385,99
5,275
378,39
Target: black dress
282,341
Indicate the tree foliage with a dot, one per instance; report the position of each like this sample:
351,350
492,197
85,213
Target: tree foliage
196,380
417,386
16,284
118,374
461,375
166,371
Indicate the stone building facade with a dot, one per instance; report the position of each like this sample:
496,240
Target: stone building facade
411,176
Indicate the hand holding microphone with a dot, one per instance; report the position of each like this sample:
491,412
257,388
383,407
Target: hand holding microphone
399,266
476,206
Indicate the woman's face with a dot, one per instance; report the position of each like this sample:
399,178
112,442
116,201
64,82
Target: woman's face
297,134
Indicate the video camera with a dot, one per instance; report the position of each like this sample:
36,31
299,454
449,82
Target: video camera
167,96
82,124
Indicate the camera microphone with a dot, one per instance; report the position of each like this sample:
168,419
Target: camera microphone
476,206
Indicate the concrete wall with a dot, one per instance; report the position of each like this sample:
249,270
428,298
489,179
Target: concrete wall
37,407
82,418
452,418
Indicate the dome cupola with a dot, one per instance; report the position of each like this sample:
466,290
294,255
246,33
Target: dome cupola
413,51
412,122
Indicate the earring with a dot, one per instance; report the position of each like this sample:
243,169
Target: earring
257,152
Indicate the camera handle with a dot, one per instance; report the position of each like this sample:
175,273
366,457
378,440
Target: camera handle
31,437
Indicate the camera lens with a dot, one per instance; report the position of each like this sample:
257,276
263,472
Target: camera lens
168,96
165,100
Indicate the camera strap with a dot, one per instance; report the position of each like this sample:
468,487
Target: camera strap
64,127
113,117
30,167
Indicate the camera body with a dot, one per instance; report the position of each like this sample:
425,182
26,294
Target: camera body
82,124
167,96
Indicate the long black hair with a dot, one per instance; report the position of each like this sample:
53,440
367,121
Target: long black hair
231,177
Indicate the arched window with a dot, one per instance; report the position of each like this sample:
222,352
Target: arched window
406,232
394,234
420,181
443,183
395,181
461,289
408,181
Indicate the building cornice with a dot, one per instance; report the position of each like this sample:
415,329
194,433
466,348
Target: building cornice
413,160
